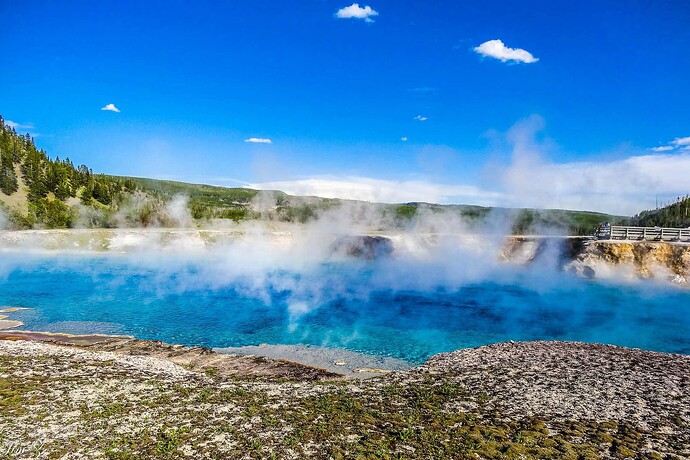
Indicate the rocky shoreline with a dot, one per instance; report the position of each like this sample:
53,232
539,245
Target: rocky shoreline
636,260
127,398
583,256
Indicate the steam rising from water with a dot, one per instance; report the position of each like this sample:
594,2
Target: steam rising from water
302,262
446,284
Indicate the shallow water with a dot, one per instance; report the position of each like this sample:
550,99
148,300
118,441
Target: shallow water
407,311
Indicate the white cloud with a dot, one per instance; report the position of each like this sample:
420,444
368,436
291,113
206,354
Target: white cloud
421,118
354,11
404,138
382,191
681,141
16,126
496,49
110,108
621,187
678,142
626,186
423,89
258,140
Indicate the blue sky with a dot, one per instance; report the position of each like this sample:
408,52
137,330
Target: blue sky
602,84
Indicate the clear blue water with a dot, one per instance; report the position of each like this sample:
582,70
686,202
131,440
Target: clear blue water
406,311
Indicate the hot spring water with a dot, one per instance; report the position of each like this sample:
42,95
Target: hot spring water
384,307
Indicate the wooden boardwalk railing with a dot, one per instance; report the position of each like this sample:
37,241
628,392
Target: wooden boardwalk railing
616,232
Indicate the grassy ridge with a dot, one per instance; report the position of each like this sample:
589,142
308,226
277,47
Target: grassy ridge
208,194
37,191
235,203
676,215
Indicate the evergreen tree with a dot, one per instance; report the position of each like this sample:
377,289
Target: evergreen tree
51,182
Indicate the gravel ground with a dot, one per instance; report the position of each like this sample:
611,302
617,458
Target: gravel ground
129,399
564,380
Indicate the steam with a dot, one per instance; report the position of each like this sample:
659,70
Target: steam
521,173
299,272
177,210
308,266
300,264
143,210
265,204
619,186
136,210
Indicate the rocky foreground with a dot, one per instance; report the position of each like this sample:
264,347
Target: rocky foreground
509,400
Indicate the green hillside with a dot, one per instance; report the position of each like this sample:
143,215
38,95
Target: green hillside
205,201
208,194
36,191
523,221
674,215
214,202
39,192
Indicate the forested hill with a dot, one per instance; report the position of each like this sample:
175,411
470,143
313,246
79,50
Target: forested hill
39,192
676,214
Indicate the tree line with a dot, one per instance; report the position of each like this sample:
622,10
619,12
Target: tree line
675,214
50,182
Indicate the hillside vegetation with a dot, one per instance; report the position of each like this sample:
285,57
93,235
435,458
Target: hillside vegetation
676,215
39,192
206,201
212,202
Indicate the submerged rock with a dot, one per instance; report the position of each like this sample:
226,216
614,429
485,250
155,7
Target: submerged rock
363,246
588,272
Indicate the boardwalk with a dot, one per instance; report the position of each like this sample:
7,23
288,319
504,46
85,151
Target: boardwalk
673,235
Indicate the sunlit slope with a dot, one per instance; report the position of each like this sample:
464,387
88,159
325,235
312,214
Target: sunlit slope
211,194
210,201
243,203
37,191
676,214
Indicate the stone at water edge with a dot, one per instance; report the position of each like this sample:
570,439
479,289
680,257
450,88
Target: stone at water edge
363,246
9,324
678,279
